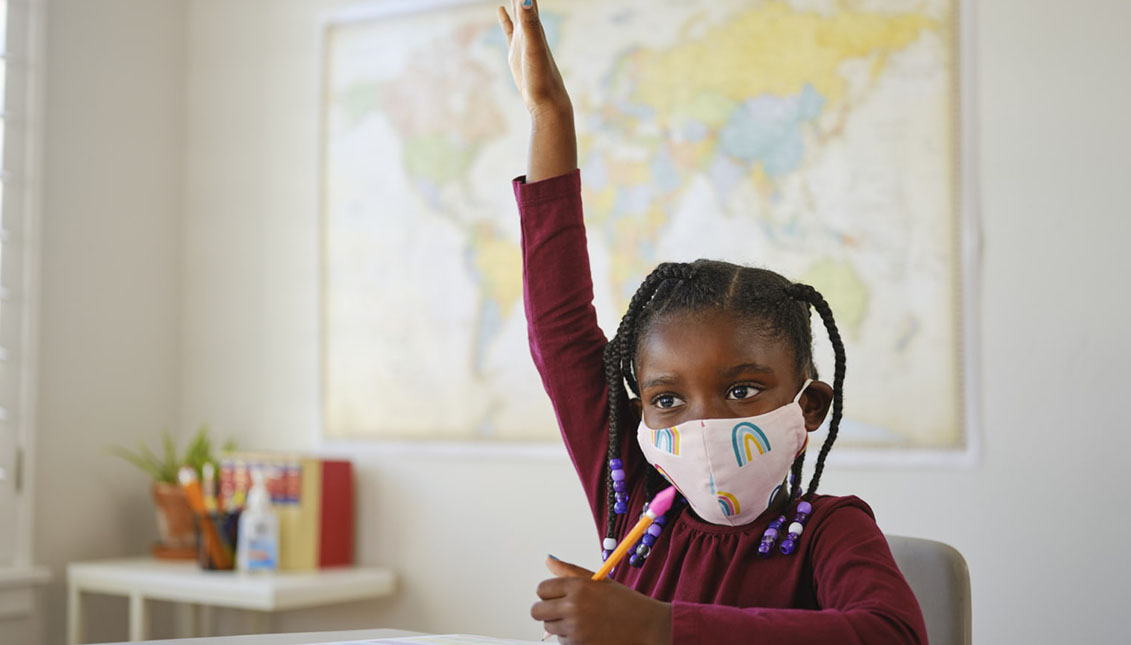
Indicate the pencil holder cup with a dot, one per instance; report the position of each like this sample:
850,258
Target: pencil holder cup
226,529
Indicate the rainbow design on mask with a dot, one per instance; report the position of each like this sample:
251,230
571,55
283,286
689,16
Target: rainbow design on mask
667,440
664,474
747,438
728,503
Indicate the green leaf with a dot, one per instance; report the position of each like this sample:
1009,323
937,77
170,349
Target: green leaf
170,449
197,453
136,459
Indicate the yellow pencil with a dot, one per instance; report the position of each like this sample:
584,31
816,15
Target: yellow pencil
660,505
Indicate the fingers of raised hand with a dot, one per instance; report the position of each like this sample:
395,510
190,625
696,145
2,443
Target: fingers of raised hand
506,24
527,12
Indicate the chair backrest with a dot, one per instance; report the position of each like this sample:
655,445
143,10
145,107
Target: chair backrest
938,575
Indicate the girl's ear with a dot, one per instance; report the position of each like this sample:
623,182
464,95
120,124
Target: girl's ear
815,402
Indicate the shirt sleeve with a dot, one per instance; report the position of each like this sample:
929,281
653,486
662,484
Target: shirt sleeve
565,341
862,594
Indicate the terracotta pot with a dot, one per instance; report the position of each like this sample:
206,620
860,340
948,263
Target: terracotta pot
174,519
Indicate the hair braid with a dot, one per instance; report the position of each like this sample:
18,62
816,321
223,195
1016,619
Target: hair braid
618,357
808,294
615,394
795,477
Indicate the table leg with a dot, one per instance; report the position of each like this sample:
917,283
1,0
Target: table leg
205,628
74,614
259,623
189,620
137,617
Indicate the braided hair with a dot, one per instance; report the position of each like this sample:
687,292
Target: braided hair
777,307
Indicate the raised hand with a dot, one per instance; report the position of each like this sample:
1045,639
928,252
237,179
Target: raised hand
581,611
532,65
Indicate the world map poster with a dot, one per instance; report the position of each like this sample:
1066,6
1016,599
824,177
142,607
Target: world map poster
817,138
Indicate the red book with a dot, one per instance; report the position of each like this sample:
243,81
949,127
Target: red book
335,544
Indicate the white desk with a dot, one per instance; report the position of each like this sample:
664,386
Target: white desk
142,579
288,639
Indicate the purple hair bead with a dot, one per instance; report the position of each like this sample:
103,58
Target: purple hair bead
620,486
618,475
620,508
655,530
660,520
788,545
636,561
605,553
648,539
770,537
621,496
615,464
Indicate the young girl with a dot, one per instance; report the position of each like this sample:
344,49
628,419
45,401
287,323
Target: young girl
719,361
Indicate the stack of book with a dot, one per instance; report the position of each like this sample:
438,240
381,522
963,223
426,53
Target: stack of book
314,500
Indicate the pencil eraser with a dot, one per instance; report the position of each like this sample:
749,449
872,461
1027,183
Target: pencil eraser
662,501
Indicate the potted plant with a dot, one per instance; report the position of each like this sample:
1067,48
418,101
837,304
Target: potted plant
174,517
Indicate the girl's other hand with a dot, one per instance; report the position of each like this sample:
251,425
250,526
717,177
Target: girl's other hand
581,611
532,65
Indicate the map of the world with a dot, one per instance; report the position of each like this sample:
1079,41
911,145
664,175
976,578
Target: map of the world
817,138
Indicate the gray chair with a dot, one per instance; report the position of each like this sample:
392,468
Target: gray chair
938,575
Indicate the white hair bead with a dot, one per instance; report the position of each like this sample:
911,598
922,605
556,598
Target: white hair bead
796,528
609,544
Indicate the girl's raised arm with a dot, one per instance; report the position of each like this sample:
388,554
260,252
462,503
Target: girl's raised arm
565,342
553,142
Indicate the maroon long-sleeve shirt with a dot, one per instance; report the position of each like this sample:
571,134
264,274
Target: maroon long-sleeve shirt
841,585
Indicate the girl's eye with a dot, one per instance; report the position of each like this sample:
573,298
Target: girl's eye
740,392
666,401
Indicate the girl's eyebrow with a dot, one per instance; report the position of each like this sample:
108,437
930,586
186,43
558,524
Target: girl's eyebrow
748,367
663,379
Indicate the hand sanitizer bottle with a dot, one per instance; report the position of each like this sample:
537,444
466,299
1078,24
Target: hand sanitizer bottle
258,548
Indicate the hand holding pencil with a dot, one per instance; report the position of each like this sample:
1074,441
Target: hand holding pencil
580,606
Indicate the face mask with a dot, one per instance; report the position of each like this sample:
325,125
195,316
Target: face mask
728,469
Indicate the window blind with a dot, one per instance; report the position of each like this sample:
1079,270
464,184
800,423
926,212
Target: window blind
17,269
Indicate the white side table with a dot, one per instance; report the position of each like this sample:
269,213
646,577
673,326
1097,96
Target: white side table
142,579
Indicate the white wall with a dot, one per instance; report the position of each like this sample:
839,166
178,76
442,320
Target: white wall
111,287
1052,106
249,333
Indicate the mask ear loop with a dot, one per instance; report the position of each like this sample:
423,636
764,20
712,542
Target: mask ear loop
797,399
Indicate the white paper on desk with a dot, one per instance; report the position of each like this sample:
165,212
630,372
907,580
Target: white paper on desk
443,639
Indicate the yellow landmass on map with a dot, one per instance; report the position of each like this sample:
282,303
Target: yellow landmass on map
844,290
772,49
498,261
